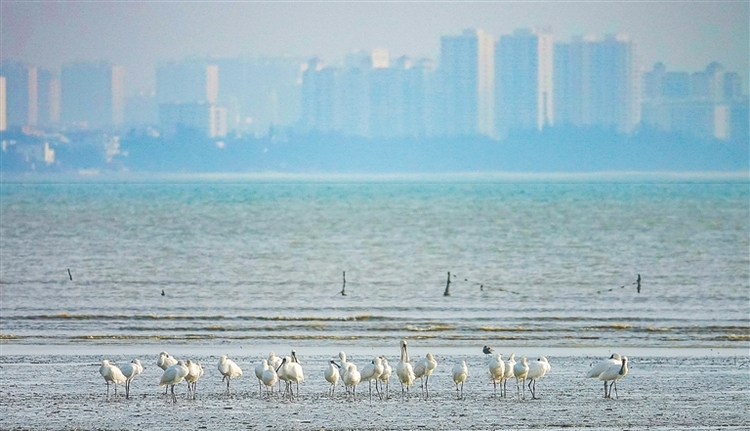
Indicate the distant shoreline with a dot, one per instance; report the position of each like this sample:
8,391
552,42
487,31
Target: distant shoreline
328,177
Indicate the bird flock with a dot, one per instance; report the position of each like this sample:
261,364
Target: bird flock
274,370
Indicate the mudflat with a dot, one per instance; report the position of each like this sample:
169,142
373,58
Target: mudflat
67,392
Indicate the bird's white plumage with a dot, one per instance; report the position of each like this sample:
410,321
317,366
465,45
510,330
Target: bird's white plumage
131,370
269,376
332,375
520,371
174,375
537,370
228,369
594,372
612,374
404,369
165,360
459,373
111,374
195,372
497,370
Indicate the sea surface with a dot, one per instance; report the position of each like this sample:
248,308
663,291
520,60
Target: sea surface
536,262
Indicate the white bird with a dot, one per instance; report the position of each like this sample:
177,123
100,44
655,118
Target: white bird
111,374
385,377
195,372
351,378
165,361
259,369
520,370
269,376
274,362
460,372
291,372
423,370
537,370
404,370
130,371
497,371
228,369
174,375
614,359
371,372
613,374
509,364
332,375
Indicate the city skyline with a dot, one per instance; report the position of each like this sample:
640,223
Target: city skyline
683,35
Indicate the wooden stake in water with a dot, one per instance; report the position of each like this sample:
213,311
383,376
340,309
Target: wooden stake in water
343,288
448,286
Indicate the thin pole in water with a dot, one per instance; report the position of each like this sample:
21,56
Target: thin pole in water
448,286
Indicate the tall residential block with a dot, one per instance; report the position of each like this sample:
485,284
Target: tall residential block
320,98
3,114
21,91
524,81
596,83
188,81
92,95
705,104
467,84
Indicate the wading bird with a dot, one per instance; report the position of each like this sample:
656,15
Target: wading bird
537,370
614,359
130,371
497,371
228,370
613,374
404,370
111,374
520,370
332,376
460,372
195,372
509,364
174,375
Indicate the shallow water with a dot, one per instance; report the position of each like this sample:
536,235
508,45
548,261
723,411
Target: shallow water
259,262
253,265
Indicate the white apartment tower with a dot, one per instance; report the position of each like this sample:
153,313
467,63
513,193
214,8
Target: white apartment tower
524,81
467,87
596,83
3,115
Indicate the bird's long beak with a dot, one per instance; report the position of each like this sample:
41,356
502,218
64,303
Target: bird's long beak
281,364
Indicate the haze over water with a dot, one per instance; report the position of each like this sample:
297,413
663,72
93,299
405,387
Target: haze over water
260,261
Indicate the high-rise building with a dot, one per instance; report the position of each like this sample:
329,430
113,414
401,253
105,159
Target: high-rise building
706,104
92,95
21,91
319,98
523,81
45,98
354,93
467,89
596,83
416,85
3,114
261,93
188,81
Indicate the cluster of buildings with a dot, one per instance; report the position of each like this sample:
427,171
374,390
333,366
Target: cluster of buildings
481,86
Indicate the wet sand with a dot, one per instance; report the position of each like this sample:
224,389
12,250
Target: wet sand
679,392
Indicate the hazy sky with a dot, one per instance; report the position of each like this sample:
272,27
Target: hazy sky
685,35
